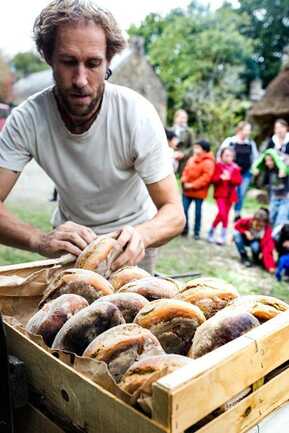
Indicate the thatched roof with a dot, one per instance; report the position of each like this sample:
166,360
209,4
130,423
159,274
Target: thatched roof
274,104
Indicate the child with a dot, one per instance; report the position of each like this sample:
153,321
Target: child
196,179
255,232
277,182
175,155
227,177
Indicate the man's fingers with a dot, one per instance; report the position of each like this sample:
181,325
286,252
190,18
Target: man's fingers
73,238
133,250
86,233
125,235
63,246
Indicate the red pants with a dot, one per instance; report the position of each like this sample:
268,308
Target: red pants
224,206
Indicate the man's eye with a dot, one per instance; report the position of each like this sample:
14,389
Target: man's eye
68,62
93,65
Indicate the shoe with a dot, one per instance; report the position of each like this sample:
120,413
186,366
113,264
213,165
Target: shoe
223,237
210,236
237,217
184,233
197,237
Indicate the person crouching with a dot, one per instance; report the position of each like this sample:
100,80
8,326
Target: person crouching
196,179
227,177
256,233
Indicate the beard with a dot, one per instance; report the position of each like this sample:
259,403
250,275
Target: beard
77,109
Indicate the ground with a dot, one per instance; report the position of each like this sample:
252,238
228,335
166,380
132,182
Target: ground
30,202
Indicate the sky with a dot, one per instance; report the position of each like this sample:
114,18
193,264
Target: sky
17,17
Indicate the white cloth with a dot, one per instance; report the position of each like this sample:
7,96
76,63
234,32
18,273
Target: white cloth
101,174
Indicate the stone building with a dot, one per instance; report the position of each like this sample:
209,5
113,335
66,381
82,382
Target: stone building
130,68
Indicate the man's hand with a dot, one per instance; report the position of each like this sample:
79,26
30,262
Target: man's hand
130,239
66,238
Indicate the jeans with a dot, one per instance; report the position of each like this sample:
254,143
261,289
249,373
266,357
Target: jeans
198,213
279,211
241,190
242,242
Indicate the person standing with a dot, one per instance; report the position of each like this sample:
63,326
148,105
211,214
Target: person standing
227,177
184,135
280,140
103,146
246,154
196,179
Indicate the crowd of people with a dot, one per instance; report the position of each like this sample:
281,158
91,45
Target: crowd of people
262,238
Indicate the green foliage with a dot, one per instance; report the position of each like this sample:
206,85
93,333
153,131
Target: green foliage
268,26
199,56
5,80
27,63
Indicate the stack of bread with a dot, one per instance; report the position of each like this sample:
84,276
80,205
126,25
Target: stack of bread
141,326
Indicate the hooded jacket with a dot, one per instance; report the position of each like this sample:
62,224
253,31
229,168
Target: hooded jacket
227,189
198,171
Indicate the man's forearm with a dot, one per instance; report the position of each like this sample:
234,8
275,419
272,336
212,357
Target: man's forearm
168,223
16,233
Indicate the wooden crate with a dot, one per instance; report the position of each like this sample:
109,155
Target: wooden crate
180,400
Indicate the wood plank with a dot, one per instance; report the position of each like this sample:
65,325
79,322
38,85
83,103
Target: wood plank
253,408
24,269
72,395
31,420
212,380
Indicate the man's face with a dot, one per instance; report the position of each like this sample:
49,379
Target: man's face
79,66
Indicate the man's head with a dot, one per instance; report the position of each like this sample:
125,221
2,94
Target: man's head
269,162
201,147
78,40
181,118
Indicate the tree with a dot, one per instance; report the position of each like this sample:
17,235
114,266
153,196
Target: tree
27,63
268,26
5,81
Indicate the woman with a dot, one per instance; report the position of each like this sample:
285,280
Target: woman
280,139
245,154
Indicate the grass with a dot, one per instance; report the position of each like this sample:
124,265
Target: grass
178,256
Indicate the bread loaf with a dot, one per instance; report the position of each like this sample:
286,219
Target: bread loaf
52,316
173,322
99,255
83,282
121,346
152,288
262,307
126,275
79,331
129,304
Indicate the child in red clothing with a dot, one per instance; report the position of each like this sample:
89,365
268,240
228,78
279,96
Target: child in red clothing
256,233
227,177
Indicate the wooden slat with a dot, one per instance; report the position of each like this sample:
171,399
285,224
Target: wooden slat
253,408
31,420
24,269
86,404
215,378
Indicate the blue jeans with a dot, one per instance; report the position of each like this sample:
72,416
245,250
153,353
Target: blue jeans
198,213
242,242
241,190
279,211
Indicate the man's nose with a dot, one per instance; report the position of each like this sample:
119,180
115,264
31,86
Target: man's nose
80,76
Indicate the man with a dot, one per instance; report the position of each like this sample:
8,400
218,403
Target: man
102,145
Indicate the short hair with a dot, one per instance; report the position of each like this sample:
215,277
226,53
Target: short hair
205,145
178,112
170,134
282,122
59,12
241,125
262,214
227,148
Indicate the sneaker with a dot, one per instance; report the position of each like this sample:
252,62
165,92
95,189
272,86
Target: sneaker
246,261
184,233
223,237
197,237
210,236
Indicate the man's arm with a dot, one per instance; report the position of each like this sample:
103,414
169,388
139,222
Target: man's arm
168,222
67,238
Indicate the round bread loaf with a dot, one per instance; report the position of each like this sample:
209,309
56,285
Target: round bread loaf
52,316
139,378
126,275
83,282
79,331
262,307
121,346
210,299
225,326
152,288
99,255
173,322
129,304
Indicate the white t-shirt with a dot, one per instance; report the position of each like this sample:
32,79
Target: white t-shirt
101,174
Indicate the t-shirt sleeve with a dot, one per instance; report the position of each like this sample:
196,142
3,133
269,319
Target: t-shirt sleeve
15,139
152,160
